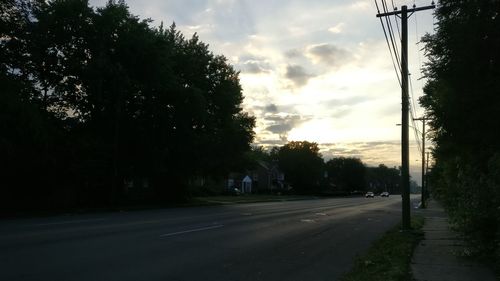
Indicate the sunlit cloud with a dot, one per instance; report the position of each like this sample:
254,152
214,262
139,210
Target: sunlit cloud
338,28
297,74
362,5
328,54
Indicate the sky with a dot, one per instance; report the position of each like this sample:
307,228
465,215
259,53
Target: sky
315,70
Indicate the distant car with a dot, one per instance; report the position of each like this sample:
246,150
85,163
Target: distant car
369,194
384,194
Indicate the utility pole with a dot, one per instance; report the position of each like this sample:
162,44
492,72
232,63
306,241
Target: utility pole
423,119
426,177
405,148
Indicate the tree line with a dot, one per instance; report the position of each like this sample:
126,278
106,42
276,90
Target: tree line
462,98
93,98
307,172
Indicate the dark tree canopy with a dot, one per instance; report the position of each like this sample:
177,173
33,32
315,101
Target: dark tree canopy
462,97
302,164
383,178
103,97
347,174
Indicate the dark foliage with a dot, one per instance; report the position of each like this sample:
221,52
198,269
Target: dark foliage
383,178
347,174
302,165
462,97
96,105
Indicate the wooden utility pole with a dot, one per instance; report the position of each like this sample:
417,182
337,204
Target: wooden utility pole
423,119
427,193
405,148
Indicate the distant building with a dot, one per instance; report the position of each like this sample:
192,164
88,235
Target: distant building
264,177
246,185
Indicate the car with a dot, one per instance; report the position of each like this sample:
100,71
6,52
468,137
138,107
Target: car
384,194
369,194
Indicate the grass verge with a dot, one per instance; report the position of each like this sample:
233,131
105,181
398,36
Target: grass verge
389,258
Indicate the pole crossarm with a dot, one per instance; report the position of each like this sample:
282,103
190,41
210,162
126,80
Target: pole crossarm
408,11
421,119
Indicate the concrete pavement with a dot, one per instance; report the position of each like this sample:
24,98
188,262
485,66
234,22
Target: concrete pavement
436,257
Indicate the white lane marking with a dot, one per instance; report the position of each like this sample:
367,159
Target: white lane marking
307,220
68,222
192,230
320,214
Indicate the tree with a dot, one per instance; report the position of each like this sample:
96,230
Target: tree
462,97
119,99
302,165
383,178
28,139
254,156
347,174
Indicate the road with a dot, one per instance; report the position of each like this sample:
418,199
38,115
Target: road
296,240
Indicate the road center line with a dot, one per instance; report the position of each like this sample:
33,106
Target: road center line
192,230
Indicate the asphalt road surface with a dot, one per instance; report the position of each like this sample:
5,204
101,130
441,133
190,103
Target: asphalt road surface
299,240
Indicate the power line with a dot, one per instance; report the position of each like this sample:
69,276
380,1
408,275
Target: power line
389,46
396,52
415,132
395,19
391,33
412,100
413,113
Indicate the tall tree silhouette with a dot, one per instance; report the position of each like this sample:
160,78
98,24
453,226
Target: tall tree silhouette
462,97
348,174
302,165
118,99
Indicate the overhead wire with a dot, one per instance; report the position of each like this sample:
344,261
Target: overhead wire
395,19
413,115
391,34
412,93
394,51
411,101
396,67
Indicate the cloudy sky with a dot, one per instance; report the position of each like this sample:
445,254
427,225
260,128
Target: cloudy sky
312,70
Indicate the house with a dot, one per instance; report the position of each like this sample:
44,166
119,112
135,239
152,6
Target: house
264,177
241,181
267,177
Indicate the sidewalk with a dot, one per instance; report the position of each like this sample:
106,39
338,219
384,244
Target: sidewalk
435,257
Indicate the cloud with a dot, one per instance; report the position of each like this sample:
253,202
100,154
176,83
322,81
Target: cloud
280,129
282,123
272,112
348,101
337,28
328,54
272,142
271,108
255,67
293,53
371,153
298,75
361,5
340,112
